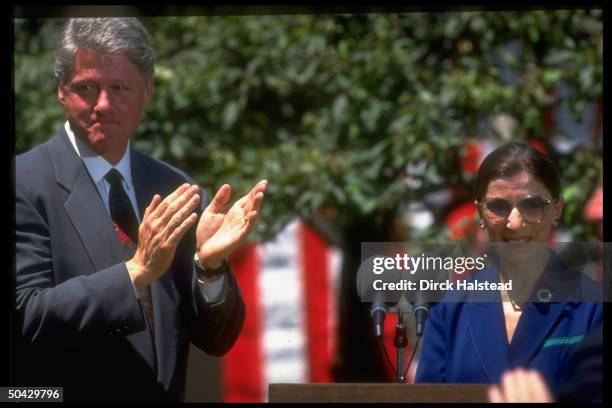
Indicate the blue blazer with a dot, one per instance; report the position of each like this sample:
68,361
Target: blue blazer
466,342
79,322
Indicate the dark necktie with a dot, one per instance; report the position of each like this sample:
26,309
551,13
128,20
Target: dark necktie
126,226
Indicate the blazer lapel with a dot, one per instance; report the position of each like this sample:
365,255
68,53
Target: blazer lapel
533,328
488,333
487,329
84,206
539,318
162,290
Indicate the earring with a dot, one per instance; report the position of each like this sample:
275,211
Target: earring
482,225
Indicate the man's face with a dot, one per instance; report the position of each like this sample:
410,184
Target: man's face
104,100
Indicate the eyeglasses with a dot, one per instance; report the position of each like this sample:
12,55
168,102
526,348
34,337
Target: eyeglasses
531,208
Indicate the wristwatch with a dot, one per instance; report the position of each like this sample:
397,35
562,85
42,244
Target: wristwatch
207,272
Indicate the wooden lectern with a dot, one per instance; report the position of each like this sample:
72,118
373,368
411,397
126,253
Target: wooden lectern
377,392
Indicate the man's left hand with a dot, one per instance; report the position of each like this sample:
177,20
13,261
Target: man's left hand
220,230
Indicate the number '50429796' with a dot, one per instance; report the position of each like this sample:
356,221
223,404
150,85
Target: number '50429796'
33,393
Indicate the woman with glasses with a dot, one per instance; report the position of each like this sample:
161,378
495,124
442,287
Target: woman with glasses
534,325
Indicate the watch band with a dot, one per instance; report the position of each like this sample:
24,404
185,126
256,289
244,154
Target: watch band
207,272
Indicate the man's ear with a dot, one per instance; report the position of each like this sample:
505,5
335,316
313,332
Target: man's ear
60,93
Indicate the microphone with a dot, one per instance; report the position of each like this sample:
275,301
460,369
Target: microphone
378,311
421,312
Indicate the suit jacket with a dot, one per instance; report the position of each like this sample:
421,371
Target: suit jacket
466,342
79,322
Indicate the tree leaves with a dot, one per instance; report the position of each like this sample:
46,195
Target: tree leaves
335,110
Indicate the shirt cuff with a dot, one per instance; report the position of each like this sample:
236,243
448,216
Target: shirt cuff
211,291
134,286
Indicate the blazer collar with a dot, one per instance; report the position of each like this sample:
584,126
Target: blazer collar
83,205
534,326
557,285
145,183
488,331
66,163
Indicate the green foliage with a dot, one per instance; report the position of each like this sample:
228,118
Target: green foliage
332,109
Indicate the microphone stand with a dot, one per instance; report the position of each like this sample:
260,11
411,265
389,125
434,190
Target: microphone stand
400,341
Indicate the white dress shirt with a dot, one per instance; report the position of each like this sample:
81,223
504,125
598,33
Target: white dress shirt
97,166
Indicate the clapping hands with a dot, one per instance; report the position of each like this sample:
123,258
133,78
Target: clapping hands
221,230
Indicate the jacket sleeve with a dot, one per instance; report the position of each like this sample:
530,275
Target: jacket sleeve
47,310
214,326
431,367
217,325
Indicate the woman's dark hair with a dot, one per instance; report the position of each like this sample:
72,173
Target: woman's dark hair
512,158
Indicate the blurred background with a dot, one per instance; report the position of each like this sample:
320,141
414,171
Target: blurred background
369,126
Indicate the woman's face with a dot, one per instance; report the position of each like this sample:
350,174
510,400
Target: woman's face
519,209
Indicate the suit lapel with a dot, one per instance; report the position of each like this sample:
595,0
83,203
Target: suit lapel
533,328
84,206
146,185
93,223
539,318
488,333
487,329
144,182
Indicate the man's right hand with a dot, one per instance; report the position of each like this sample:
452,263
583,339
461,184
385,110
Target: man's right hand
163,225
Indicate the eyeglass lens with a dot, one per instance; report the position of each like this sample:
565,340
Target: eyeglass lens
532,209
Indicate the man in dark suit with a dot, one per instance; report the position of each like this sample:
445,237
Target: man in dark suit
119,262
